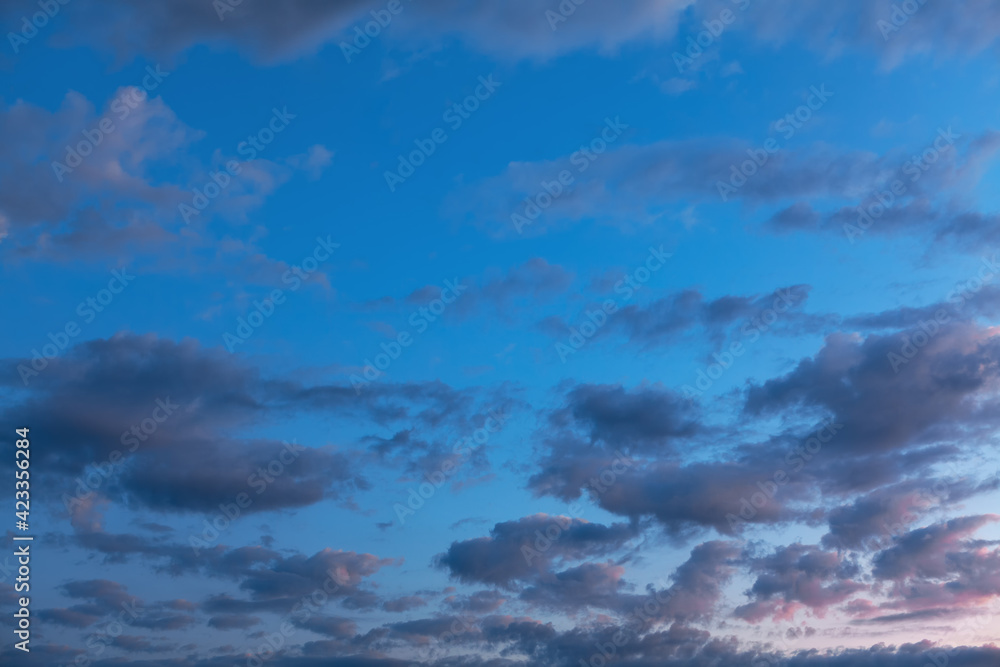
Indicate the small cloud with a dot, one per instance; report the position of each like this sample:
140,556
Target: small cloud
732,69
313,162
677,86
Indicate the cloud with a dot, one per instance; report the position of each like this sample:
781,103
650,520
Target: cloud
405,603
233,622
873,518
586,585
535,29
109,185
648,418
532,282
852,380
799,577
881,28
181,460
633,183
127,28
329,626
66,209
101,397
104,599
938,566
520,550
929,552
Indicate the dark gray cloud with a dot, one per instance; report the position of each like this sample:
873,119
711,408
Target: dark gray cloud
852,380
233,622
99,400
127,28
799,576
875,518
520,550
136,644
405,603
924,552
480,602
940,567
851,424
109,601
667,320
330,626
588,585
651,418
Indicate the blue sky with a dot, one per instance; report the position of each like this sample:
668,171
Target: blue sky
678,329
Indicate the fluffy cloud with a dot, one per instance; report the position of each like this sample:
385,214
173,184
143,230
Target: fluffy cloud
799,577
522,549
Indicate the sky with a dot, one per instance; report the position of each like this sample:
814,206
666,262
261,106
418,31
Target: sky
453,334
